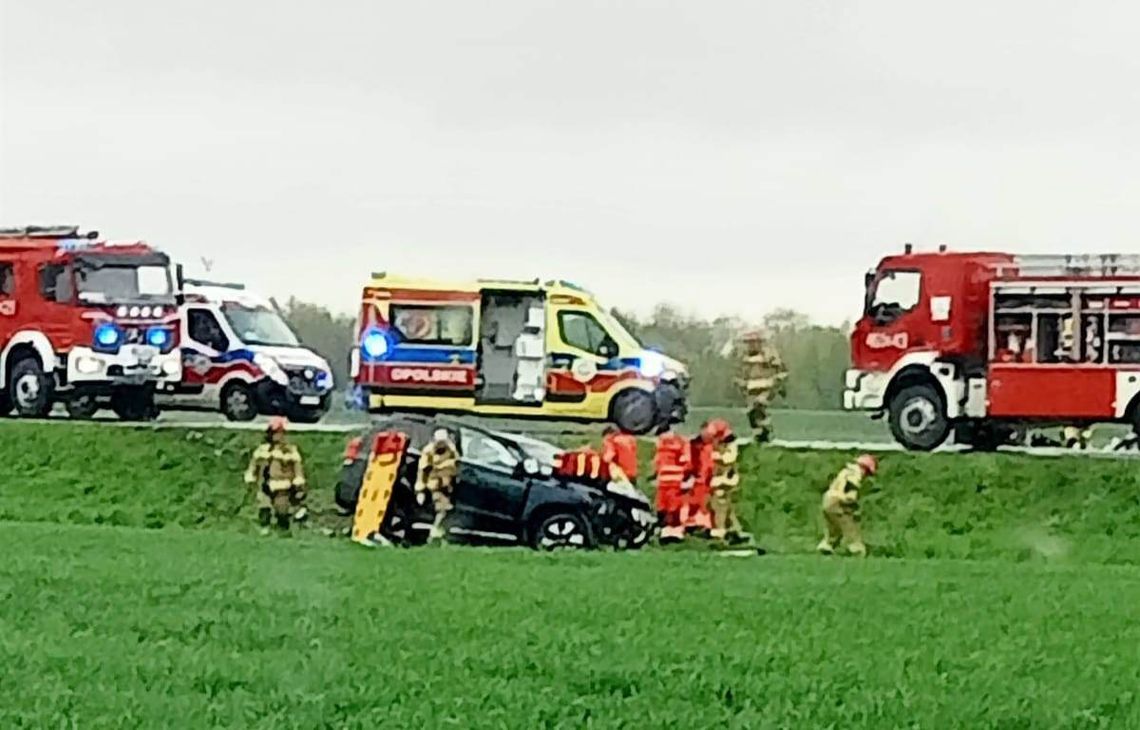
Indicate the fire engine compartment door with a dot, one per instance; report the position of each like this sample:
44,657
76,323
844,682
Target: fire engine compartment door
512,348
1051,391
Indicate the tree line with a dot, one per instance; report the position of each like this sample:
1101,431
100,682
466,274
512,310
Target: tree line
815,355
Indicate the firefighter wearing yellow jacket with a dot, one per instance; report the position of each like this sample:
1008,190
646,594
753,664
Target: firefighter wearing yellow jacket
277,471
761,375
724,484
439,465
841,507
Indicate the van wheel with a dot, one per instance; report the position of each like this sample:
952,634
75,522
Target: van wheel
560,531
31,389
82,407
918,418
238,402
634,411
134,404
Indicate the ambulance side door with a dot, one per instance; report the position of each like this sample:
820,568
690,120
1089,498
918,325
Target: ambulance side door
581,347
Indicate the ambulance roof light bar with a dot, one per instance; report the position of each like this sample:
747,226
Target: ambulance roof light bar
47,232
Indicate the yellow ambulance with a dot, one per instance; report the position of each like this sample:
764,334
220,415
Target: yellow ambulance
509,349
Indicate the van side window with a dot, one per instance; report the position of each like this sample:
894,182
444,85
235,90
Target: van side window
204,328
434,324
582,330
55,283
7,280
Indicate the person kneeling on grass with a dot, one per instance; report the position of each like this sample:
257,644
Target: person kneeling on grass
277,470
841,507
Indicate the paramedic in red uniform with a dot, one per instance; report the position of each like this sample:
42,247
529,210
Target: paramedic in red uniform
695,516
619,451
672,468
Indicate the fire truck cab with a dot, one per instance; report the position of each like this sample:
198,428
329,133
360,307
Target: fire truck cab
85,322
509,349
240,357
982,345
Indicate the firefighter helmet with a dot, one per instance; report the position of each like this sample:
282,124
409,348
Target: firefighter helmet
869,464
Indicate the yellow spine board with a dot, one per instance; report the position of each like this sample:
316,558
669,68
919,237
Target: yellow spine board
384,462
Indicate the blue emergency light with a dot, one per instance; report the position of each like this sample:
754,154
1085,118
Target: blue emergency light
108,336
158,337
374,344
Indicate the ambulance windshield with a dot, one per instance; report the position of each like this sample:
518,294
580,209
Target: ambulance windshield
618,331
113,284
257,325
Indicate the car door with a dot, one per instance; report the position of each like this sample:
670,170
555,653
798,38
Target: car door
204,341
490,491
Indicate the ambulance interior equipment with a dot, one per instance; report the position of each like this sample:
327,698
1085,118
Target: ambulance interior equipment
242,358
512,348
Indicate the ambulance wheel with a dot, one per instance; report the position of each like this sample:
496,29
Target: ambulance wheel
560,531
134,404
634,411
31,389
82,407
238,403
918,418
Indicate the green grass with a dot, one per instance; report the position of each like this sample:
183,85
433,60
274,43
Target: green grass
989,601
107,627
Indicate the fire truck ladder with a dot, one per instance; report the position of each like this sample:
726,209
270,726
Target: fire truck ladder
1079,265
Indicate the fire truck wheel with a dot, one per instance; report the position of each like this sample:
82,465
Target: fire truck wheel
5,403
634,411
31,389
134,405
82,407
238,403
918,418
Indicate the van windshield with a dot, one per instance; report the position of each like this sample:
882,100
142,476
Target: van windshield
259,326
620,334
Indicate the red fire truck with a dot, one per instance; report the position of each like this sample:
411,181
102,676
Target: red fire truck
982,345
85,322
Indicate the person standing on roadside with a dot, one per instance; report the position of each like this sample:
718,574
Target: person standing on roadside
277,470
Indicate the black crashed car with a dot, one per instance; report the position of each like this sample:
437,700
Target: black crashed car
506,493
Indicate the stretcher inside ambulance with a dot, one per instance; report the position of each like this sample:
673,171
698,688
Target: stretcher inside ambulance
510,349
240,357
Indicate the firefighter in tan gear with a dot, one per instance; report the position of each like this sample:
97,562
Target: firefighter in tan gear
762,374
439,465
841,507
277,471
724,484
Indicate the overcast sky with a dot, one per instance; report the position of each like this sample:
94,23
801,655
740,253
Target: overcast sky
730,157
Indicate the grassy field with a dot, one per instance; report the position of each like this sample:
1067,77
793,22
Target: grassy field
1001,593
122,627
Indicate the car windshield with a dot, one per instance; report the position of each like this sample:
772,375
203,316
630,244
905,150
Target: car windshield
109,283
482,448
542,452
257,325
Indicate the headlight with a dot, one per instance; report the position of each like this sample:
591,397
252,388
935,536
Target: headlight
325,380
652,365
271,369
88,365
135,311
108,336
374,344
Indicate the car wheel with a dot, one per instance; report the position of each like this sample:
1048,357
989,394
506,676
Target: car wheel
31,389
238,403
134,404
561,531
918,418
82,407
634,411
